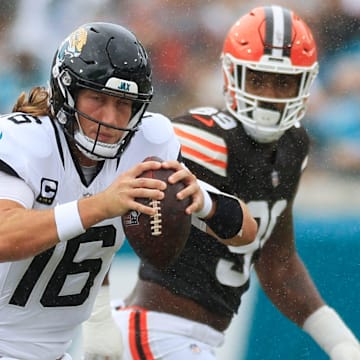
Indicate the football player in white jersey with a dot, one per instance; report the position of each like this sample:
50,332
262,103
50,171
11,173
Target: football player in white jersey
70,158
256,149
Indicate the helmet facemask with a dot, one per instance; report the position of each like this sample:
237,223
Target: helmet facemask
269,39
95,149
265,123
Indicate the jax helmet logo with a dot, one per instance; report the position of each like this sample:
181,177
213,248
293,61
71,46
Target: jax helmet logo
123,85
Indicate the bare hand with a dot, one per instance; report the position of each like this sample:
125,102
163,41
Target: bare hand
121,195
189,179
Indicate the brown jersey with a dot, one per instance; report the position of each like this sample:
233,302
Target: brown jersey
266,176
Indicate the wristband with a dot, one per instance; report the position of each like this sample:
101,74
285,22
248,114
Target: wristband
327,328
205,211
68,221
227,220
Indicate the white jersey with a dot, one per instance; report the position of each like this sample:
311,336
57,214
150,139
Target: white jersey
44,298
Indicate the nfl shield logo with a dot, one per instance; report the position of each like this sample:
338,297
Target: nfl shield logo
275,178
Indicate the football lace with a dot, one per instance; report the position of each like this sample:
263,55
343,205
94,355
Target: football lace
155,220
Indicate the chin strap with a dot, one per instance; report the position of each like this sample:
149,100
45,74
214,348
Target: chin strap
330,332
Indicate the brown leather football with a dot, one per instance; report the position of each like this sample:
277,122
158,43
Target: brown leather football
159,239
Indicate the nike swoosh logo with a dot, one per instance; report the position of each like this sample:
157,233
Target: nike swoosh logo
207,122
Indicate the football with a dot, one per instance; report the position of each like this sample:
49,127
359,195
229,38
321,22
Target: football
159,239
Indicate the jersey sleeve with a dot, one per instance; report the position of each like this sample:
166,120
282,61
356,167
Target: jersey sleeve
156,137
24,144
15,189
203,147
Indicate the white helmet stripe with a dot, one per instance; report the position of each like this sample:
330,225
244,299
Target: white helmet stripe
278,31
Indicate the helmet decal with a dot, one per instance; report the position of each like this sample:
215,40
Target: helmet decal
73,44
123,85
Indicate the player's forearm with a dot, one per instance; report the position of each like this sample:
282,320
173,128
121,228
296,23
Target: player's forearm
226,217
28,232
290,288
223,224
299,300
93,209
248,230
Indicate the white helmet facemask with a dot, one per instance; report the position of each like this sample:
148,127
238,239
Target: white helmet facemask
265,124
97,150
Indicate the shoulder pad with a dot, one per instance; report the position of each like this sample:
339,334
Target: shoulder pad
24,138
156,128
209,117
23,132
155,137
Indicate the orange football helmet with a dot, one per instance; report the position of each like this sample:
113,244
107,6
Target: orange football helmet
268,39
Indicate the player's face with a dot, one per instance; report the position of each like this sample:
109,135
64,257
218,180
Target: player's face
111,110
272,85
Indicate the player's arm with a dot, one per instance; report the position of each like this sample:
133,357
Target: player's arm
19,226
225,217
22,227
288,284
221,215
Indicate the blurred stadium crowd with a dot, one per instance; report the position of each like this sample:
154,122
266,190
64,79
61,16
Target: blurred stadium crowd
184,39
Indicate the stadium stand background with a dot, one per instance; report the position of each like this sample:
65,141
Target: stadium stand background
184,39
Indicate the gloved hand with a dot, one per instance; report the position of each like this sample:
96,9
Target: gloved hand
345,351
102,338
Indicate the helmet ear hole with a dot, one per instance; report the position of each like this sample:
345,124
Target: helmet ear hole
61,117
65,78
